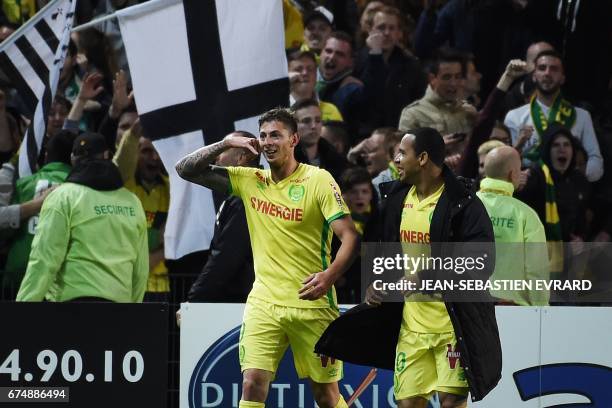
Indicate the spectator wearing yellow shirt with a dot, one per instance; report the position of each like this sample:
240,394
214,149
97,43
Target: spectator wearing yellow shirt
144,176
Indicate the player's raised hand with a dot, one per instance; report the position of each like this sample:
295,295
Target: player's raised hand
249,143
315,286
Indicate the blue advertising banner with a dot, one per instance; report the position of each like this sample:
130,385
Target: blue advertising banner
553,356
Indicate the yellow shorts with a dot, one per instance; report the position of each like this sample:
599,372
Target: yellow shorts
426,363
268,329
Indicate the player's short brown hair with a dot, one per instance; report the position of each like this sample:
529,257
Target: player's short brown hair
281,115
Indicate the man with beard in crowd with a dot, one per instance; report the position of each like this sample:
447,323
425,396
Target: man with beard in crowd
528,123
442,107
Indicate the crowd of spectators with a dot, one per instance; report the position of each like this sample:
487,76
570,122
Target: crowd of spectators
532,74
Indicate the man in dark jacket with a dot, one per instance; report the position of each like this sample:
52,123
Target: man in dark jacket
392,77
228,274
395,335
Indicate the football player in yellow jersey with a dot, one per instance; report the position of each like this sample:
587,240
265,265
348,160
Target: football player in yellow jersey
291,209
449,345
423,364
428,358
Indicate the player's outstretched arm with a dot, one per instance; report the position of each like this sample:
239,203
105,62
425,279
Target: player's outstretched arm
198,167
317,285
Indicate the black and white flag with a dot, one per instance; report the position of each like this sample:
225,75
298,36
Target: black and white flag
201,69
32,58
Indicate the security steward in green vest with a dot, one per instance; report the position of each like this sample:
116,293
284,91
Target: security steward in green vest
91,240
519,234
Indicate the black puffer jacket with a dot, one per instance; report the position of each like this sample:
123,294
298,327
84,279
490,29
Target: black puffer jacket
368,335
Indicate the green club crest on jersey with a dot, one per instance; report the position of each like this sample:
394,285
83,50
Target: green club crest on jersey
296,192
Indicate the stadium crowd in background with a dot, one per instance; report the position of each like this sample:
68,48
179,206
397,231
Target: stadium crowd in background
362,73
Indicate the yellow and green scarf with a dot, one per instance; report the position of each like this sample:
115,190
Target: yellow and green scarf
552,224
561,112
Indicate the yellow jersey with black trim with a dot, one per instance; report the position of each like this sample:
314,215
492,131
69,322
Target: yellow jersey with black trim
422,314
155,203
289,227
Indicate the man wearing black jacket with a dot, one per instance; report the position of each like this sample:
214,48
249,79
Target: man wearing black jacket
228,274
421,342
393,78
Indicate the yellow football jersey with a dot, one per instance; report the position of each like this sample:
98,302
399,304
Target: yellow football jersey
155,203
421,316
289,227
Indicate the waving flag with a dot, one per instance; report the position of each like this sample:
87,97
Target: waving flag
32,58
200,70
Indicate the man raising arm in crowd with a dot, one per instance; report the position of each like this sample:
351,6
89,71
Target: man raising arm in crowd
529,122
